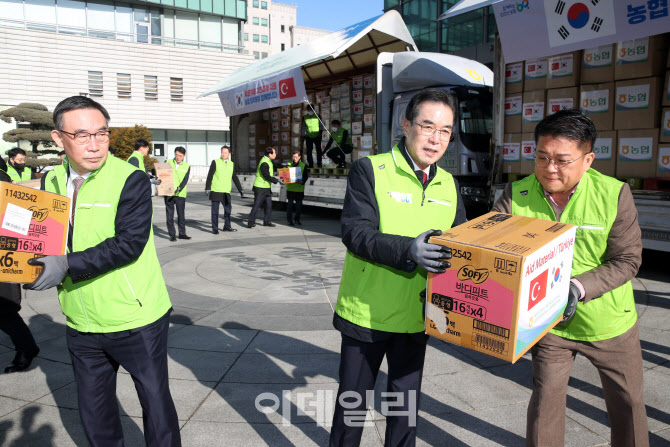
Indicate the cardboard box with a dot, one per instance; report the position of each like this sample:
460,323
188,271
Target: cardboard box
357,128
335,92
532,110
514,78
637,153
604,148
663,167
666,89
274,114
665,126
641,58
513,110
356,141
356,154
561,99
283,137
285,123
597,102
275,126
296,113
535,74
564,70
507,286
295,142
290,175
357,111
527,163
369,102
34,224
252,141
367,142
357,82
637,104
275,138
165,174
284,150
345,90
284,110
252,163
511,153
598,65
368,82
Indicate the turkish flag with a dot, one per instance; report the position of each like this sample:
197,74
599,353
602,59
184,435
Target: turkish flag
538,289
286,88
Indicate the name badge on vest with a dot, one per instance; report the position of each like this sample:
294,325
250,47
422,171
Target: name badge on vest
400,197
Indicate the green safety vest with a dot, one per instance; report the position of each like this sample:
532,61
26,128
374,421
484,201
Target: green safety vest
593,208
299,186
260,182
179,174
124,298
377,296
312,123
337,136
14,174
140,159
222,181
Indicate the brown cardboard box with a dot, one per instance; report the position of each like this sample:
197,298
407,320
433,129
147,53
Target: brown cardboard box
597,102
507,286
665,126
663,167
165,174
598,65
513,110
564,70
527,163
34,224
511,153
641,58
514,78
561,99
533,109
357,153
636,153
666,89
604,148
637,104
535,74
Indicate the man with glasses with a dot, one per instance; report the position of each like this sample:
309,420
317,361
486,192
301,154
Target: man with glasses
110,284
393,204
600,321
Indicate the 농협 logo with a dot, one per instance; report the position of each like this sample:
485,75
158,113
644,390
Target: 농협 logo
286,88
468,272
538,289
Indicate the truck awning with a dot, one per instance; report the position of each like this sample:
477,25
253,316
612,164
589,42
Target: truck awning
338,54
466,6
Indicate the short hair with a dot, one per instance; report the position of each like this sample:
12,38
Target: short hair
430,95
296,151
225,146
76,103
269,150
336,123
63,152
571,124
13,152
180,149
141,143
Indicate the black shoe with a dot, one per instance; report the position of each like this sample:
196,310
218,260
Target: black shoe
215,231
21,362
251,225
269,225
291,224
229,229
173,238
297,222
183,236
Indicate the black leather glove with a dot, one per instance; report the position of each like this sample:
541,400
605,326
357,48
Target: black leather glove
573,297
427,255
155,181
54,270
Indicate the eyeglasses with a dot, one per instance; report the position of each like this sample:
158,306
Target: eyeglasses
101,136
544,162
429,130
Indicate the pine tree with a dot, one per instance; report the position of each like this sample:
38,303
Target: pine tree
38,124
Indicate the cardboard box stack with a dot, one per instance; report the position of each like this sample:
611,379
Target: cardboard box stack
597,102
527,163
535,74
564,70
511,153
533,109
561,99
514,78
605,160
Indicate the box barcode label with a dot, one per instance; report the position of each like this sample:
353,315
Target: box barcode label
490,344
555,228
491,328
17,219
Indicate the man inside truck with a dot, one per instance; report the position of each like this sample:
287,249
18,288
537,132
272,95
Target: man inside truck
343,144
600,321
393,204
311,135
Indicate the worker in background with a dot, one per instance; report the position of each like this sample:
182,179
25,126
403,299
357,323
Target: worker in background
343,144
599,321
137,158
222,173
262,191
16,168
181,171
387,219
311,135
295,192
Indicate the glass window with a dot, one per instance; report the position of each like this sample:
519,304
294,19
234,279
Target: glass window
124,18
151,89
264,55
168,23
176,135
283,29
141,15
283,47
177,89
72,13
256,38
257,55
186,28
246,37
123,85
157,134
196,154
12,9
95,83
196,135
100,17
231,32
255,20
264,22
210,29
264,5
217,136
42,11
264,39
255,3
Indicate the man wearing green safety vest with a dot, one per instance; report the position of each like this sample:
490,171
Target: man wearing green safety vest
137,158
393,204
295,192
600,321
343,144
221,175
311,135
262,191
110,286
181,171
16,168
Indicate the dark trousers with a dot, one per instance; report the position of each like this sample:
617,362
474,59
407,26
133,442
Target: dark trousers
263,198
338,155
226,213
294,201
143,353
310,143
619,363
11,322
359,365
170,203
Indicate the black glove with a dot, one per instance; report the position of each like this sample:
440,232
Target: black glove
176,191
573,297
428,255
155,181
53,272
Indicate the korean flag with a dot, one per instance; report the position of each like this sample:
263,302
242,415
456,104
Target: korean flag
573,21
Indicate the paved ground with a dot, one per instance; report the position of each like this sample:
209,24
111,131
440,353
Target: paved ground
253,315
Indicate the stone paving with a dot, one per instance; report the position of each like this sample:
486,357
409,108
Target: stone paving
252,328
